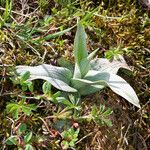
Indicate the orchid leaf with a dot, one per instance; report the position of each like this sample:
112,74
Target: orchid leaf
59,84
80,53
80,83
84,67
90,89
59,77
116,83
91,55
65,63
86,87
105,65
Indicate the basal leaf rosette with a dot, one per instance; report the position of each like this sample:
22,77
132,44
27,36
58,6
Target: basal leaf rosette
89,75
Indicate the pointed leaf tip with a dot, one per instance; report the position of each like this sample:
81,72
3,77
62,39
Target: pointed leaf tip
82,65
117,84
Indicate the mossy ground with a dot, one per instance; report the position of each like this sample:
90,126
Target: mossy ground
116,24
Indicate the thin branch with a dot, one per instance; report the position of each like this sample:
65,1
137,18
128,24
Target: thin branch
84,137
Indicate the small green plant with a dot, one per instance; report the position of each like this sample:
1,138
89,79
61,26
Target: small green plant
70,137
23,81
6,15
48,93
46,21
99,115
43,4
85,79
21,107
113,53
65,2
22,139
2,2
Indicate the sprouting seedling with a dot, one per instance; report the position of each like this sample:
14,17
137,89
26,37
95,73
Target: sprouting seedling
89,76
5,17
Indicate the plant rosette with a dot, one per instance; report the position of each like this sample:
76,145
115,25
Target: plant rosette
89,75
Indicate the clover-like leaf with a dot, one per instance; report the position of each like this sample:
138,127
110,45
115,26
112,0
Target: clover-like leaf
29,147
28,137
12,140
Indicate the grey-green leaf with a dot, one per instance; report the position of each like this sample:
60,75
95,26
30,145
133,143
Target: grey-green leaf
86,87
91,55
59,77
80,53
105,65
116,83
62,62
